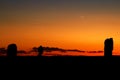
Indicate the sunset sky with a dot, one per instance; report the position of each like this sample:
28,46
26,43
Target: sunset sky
68,24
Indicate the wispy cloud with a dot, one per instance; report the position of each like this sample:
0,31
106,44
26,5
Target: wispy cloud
50,49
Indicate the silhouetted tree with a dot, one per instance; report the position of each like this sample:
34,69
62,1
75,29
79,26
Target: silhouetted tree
108,47
40,51
12,50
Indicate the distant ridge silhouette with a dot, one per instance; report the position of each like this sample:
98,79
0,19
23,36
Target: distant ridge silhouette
40,51
12,50
108,47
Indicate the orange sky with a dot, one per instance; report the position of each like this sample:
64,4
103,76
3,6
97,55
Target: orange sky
68,27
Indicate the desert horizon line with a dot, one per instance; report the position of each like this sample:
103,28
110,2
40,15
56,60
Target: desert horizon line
12,49
107,43
50,49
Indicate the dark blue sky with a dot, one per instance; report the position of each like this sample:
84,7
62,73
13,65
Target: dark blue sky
35,6
23,7
60,3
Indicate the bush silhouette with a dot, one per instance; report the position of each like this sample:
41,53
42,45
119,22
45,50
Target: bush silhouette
12,50
40,51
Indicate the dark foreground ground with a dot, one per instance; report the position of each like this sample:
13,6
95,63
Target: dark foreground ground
60,60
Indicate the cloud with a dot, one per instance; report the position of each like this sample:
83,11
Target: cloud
95,51
21,51
50,49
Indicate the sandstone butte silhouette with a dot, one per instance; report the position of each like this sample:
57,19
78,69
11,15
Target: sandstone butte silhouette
12,50
108,48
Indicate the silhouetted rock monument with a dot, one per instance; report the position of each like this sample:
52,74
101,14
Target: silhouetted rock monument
108,47
12,50
40,51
